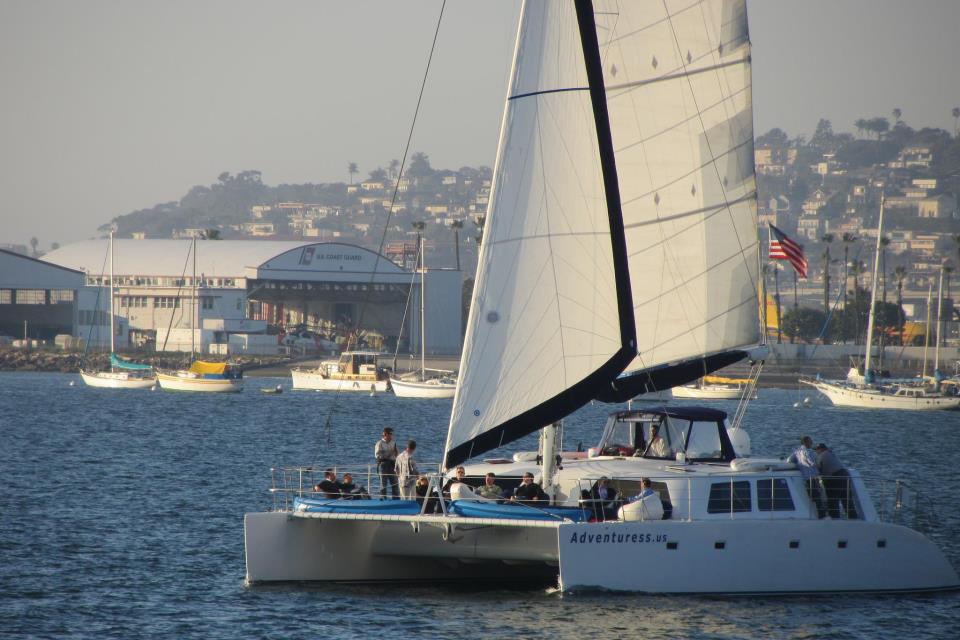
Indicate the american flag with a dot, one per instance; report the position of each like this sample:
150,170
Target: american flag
783,248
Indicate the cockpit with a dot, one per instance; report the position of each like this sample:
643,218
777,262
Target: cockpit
691,433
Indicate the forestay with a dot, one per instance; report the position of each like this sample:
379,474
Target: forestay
547,324
677,75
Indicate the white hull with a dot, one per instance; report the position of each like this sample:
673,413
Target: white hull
843,396
318,382
628,556
170,382
116,380
417,389
710,392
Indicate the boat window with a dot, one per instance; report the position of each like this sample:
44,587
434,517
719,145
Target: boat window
704,442
773,494
726,497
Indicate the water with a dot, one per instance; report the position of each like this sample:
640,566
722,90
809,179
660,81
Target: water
121,515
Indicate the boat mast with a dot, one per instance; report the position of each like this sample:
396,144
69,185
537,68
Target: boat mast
194,312
936,348
423,306
868,377
926,330
112,330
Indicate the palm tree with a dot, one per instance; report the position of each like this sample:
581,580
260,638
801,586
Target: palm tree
848,239
956,120
884,243
352,170
861,125
900,273
33,245
456,225
858,268
827,239
393,166
897,112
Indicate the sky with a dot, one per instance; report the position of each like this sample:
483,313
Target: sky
109,106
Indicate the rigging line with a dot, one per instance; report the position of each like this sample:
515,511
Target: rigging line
393,200
173,313
96,307
706,138
406,307
677,76
544,92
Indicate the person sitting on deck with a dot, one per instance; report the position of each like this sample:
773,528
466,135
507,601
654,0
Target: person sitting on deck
490,490
329,486
529,492
350,490
604,500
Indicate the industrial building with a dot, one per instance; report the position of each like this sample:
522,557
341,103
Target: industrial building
255,296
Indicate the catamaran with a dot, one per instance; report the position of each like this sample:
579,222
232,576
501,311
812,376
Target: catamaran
625,151
421,384
122,374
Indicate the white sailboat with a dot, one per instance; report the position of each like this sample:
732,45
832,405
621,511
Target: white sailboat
866,392
420,384
716,388
201,376
556,294
122,373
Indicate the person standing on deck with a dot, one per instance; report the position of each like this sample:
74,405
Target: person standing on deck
806,458
836,482
407,471
386,455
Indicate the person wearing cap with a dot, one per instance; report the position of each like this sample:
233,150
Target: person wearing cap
836,483
806,458
528,491
386,454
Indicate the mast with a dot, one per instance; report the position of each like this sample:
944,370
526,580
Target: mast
868,377
936,349
423,306
112,330
195,311
926,330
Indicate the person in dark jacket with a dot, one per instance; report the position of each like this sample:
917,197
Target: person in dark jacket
836,483
529,492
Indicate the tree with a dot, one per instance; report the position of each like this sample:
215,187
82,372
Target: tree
54,246
848,239
897,112
773,138
456,225
823,136
884,243
900,273
803,324
352,170
827,238
393,166
33,245
210,234
956,120
861,125
419,166
378,175
466,295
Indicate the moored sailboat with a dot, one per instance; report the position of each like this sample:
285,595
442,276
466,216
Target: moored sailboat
122,373
421,384
866,391
202,376
725,524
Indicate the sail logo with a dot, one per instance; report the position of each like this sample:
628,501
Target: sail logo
616,538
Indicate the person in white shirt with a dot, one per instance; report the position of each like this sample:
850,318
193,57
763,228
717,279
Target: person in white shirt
806,458
407,471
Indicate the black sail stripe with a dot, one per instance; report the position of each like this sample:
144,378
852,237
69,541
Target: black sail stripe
579,394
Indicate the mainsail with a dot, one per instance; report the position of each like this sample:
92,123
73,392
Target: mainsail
678,82
551,319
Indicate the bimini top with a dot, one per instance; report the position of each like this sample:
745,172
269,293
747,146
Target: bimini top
703,414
